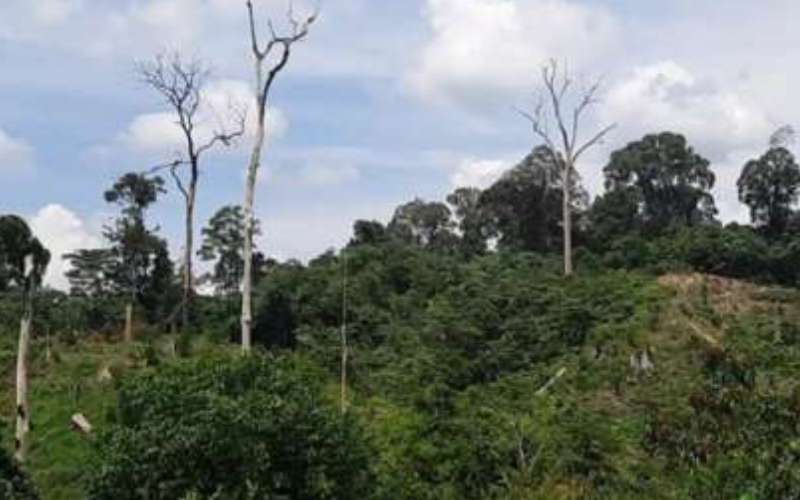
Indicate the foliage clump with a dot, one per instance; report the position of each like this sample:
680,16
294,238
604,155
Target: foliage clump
14,482
229,428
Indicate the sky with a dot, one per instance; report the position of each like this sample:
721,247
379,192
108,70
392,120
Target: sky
387,100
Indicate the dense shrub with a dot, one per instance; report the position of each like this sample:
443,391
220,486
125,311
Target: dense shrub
229,428
14,482
736,440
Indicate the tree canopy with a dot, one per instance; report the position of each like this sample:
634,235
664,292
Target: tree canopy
769,185
17,243
672,183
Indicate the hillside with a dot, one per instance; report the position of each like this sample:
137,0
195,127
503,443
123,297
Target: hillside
608,385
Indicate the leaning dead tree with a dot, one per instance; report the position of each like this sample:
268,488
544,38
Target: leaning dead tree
562,107
270,59
181,84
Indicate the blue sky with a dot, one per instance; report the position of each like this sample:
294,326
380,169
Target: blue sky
386,100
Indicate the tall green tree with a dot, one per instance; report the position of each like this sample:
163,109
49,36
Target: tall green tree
16,242
612,214
474,221
769,185
223,243
422,223
671,181
91,272
525,204
141,260
368,232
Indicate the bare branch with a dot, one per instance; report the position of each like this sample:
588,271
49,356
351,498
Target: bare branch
163,166
253,37
223,137
594,140
173,172
588,100
550,76
538,125
558,88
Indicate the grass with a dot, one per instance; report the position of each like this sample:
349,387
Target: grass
66,384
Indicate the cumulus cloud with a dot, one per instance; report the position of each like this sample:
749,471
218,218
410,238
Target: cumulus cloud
726,196
104,29
153,132
15,154
61,231
224,101
284,235
482,51
667,96
50,12
477,173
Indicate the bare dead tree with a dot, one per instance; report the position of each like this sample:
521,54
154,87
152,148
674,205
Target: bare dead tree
270,60
560,96
181,84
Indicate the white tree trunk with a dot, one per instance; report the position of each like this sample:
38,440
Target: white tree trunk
567,208
247,254
23,409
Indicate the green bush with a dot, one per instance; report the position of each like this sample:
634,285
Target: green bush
14,482
229,428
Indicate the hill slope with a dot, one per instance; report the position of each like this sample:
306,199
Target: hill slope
506,381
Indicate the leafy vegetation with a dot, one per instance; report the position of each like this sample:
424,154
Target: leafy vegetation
664,368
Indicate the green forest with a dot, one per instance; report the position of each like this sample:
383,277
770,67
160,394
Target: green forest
441,355
520,341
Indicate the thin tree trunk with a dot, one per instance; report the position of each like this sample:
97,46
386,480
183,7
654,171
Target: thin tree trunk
567,205
249,198
23,409
343,381
188,249
128,335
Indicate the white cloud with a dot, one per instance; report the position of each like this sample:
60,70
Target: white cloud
15,154
61,231
726,196
286,235
483,51
667,96
50,12
477,173
153,132
21,20
223,102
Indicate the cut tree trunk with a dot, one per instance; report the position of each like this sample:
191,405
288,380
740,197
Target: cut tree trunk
23,410
81,424
128,335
